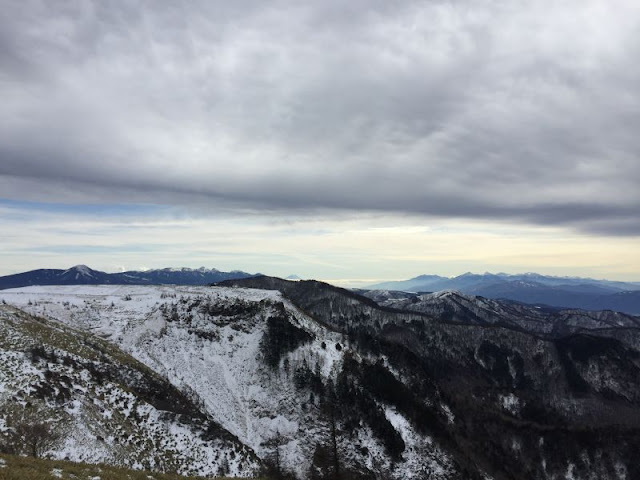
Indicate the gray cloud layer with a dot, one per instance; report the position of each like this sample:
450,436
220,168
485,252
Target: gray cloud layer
524,111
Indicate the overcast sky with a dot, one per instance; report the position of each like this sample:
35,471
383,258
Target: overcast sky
336,140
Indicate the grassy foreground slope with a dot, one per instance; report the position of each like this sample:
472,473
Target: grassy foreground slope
29,468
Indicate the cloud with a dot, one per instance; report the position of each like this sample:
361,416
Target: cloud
370,248
517,111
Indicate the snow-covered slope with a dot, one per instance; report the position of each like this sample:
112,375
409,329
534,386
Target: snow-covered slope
207,341
452,306
102,405
319,376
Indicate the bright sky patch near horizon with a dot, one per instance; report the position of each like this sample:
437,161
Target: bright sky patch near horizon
347,142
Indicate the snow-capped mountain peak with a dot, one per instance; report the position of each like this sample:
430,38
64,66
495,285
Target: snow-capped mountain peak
82,269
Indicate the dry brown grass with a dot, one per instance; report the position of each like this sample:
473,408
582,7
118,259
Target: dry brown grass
29,468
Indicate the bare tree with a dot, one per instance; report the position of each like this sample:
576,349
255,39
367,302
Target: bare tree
326,460
273,460
333,437
29,430
274,465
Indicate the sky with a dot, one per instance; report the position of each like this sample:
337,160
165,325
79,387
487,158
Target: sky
346,141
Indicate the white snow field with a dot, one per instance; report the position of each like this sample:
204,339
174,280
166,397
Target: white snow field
219,362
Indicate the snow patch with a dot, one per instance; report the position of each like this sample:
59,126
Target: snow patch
448,413
510,403
80,270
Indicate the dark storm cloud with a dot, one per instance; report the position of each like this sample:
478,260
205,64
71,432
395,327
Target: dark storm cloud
518,111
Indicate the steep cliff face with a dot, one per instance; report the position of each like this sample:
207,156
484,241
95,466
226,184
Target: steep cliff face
68,394
264,370
314,379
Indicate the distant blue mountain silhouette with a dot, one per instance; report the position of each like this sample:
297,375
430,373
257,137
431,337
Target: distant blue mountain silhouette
532,288
83,275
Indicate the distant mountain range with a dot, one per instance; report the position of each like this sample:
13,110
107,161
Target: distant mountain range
532,288
529,288
83,275
455,307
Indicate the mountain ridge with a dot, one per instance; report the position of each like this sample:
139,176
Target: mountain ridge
531,288
83,275
425,279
